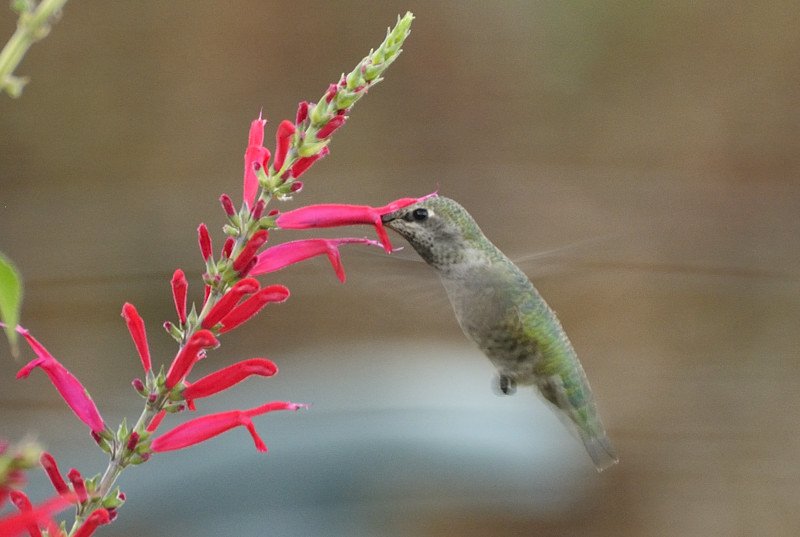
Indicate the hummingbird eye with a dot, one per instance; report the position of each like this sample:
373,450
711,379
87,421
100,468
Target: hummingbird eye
419,214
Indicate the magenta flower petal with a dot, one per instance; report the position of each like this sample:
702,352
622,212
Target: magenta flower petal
16,524
223,307
201,429
283,139
136,329
78,484
179,288
255,157
283,255
251,306
188,356
332,215
97,518
304,163
334,123
204,239
227,377
51,469
250,249
70,388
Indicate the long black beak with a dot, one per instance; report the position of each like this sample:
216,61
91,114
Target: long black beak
388,218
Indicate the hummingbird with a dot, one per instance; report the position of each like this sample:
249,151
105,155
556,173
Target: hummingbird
500,310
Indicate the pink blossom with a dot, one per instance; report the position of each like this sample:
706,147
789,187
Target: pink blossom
179,288
97,518
227,204
334,123
247,309
78,485
70,388
227,248
156,421
250,249
204,239
136,329
188,356
51,469
283,139
205,427
331,215
227,377
16,524
302,112
255,157
304,163
224,305
283,255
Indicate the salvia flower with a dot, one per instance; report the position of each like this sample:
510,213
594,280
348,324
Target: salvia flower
330,215
204,238
250,249
179,288
255,157
252,305
92,522
283,139
205,427
51,469
188,356
70,388
226,377
16,524
136,328
224,305
304,163
78,484
283,255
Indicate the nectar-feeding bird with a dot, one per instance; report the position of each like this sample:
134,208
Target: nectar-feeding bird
500,310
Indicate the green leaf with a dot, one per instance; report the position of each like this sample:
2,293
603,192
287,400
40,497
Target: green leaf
10,300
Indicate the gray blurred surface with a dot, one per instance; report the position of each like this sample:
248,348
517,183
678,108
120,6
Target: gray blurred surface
654,146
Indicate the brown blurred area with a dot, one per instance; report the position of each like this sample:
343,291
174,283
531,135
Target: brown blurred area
655,146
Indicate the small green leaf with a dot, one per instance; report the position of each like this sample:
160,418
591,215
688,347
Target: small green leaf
10,300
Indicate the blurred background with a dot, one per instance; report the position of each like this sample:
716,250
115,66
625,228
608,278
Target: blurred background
639,159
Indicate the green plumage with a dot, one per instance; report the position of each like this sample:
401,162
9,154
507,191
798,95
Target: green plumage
499,309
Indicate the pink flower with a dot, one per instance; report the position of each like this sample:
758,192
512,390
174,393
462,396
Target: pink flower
204,239
179,288
331,215
255,158
250,307
51,469
285,254
16,524
334,123
68,386
97,518
302,112
223,307
188,356
250,249
201,429
78,485
304,163
136,328
227,377
283,139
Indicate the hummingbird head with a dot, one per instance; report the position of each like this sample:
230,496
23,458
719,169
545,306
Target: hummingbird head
440,230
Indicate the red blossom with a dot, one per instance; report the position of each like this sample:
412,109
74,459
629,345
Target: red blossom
204,239
224,305
334,123
136,329
283,139
331,215
51,469
78,485
250,249
227,248
188,356
302,112
304,163
255,157
205,427
156,421
70,388
227,204
247,309
227,377
179,288
285,254
97,518
16,524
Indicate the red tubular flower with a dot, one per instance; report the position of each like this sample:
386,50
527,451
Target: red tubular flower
302,112
188,356
204,239
255,157
136,328
334,123
78,485
51,469
97,518
223,307
227,248
23,503
283,138
156,421
70,388
16,524
285,254
179,288
201,429
247,309
250,249
227,204
227,377
331,215
304,163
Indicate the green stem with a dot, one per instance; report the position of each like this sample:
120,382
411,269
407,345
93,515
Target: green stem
32,26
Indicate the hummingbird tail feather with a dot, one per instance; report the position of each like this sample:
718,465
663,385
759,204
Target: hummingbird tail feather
600,450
